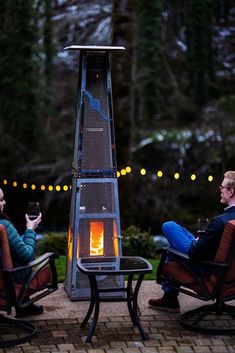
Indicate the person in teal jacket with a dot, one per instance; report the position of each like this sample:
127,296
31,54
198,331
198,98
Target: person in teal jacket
22,250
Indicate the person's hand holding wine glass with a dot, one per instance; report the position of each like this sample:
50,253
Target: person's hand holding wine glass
33,215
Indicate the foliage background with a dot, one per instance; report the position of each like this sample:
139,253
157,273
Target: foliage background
173,92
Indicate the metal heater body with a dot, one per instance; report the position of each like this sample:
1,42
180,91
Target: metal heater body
94,228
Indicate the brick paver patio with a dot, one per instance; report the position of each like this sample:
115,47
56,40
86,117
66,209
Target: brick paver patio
115,333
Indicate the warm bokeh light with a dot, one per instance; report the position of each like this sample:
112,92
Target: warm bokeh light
123,172
176,176
210,178
143,171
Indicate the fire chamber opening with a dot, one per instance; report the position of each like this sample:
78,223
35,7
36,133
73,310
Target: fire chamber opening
96,238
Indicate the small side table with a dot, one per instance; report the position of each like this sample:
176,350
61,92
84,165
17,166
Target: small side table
121,265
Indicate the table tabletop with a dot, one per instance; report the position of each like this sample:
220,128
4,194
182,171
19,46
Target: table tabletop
114,265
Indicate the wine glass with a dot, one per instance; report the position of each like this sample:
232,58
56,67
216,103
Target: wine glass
33,210
202,225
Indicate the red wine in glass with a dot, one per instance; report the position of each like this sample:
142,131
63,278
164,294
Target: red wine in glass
202,225
33,210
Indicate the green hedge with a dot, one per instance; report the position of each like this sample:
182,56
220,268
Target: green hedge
54,242
138,243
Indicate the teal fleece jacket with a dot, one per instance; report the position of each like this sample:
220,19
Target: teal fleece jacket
22,248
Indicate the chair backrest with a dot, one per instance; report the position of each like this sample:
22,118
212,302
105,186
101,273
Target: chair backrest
5,263
226,251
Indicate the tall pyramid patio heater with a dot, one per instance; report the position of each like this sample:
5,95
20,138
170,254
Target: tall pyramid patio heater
94,228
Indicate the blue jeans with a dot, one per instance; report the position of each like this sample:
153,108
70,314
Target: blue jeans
179,238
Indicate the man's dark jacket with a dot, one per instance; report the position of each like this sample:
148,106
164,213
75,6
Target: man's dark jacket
205,247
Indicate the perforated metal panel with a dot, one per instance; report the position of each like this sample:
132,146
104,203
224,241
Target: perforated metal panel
96,143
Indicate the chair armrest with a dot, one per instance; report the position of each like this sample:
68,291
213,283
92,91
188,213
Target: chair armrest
182,256
173,252
212,263
37,261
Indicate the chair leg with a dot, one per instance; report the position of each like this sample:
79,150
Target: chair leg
206,319
28,331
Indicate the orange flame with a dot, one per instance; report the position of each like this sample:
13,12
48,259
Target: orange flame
96,238
115,239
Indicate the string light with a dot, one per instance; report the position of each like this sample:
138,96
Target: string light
123,172
193,177
143,171
210,178
176,176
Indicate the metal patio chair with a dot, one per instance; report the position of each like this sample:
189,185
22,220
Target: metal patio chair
216,284
42,281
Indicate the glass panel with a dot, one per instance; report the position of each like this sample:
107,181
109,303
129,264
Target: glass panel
97,198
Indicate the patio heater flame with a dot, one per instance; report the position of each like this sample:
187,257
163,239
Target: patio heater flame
96,238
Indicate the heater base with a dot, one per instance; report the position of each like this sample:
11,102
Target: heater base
80,289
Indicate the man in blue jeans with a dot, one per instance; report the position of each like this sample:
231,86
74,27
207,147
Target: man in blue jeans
203,248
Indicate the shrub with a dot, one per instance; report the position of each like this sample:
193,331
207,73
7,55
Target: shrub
54,242
138,243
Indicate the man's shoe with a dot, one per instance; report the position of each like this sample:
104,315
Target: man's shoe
32,309
168,303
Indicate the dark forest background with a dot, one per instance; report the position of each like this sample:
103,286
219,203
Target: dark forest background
173,93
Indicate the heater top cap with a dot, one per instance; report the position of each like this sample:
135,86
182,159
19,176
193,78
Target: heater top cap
93,47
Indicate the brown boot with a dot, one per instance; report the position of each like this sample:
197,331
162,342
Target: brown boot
168,303
32,309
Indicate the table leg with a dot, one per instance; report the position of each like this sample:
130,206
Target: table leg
88,315
130,298
135,307
95,298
